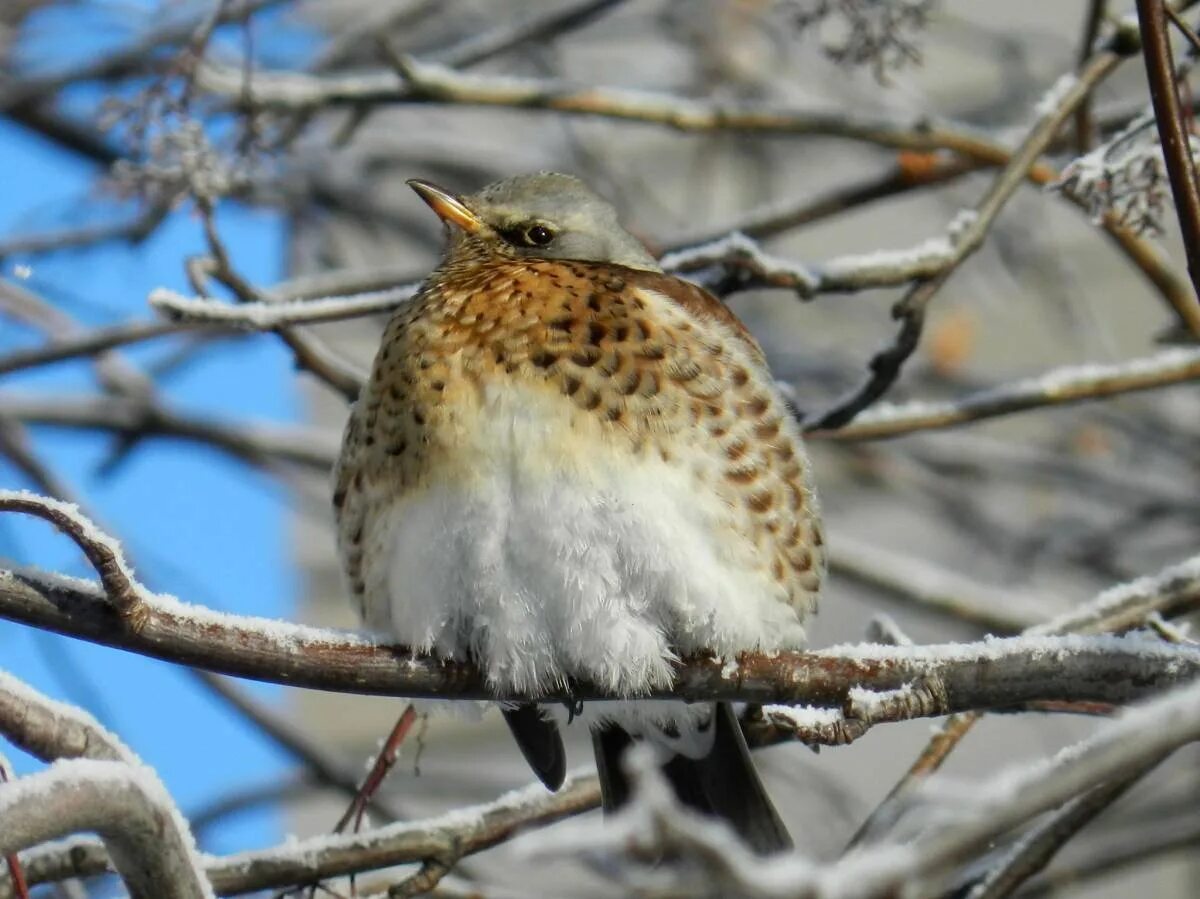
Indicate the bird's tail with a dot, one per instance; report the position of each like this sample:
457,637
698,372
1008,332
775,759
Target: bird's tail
723,784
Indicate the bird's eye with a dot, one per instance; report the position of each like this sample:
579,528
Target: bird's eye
537,236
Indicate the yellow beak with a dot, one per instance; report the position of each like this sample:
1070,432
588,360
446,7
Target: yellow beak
448,207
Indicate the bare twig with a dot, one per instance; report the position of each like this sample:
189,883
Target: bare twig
1092,22
310,353
134,229
926,586
1125,849
257,444
137,57
97,340
655,826
319,764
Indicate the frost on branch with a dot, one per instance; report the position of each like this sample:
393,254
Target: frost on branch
667,850
1125,177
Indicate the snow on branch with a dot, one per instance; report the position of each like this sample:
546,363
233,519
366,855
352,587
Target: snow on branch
860,271
1128,605
453,835
754,264
102,551
958,820
50,729
270,315
1059,386
1098,669
147,839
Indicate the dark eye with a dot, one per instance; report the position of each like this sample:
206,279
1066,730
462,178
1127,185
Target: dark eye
537,236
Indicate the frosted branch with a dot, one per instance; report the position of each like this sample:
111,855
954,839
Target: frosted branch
102,551
264,316
147,839
1059,386
455,834
1020,669
50,729
704,852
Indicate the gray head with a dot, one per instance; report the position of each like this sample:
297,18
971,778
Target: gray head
542,216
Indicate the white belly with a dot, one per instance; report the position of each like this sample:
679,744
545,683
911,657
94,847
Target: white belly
547,559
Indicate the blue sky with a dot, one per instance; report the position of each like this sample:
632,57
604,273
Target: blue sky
195,523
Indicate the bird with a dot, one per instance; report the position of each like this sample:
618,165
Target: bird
567,465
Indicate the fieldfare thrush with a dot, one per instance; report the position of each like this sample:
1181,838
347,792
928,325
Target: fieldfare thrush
570,465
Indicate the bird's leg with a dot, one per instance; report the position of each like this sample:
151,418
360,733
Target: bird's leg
384,762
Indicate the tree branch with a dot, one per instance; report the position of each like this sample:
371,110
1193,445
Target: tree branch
278,652
1059,386
1176,144
972,815
146,838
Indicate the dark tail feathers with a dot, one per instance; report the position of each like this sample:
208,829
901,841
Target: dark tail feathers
540,743
723,784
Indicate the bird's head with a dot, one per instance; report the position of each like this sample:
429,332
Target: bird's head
542,216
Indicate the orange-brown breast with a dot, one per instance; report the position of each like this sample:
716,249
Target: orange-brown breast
651,364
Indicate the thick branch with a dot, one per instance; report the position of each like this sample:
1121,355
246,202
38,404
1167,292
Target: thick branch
146,838
51,730
975,815
460,832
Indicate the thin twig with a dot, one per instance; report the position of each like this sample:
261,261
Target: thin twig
97,340
1097,9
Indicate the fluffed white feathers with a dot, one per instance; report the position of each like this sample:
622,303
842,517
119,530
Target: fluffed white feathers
547,560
